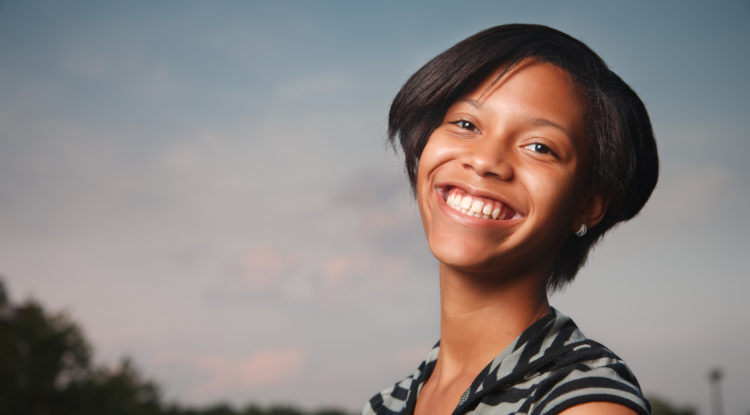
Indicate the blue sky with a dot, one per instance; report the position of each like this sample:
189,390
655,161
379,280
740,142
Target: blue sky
206,187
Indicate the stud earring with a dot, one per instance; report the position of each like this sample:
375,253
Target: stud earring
582,230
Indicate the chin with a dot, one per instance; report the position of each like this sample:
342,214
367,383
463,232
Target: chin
461,254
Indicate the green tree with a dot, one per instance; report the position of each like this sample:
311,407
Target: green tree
219,409
121,391
40,357
660,406
284,410
45,369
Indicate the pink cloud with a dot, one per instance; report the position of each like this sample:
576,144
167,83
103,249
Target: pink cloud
271,366
262,368
263,266
337,270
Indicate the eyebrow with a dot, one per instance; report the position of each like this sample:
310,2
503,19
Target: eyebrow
543,122
473,102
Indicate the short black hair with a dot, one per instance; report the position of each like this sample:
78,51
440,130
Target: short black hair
624,163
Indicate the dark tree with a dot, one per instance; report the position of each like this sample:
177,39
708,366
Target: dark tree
660,406
121,391
45,369
41,357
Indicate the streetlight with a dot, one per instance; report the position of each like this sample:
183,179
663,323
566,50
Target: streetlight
714,377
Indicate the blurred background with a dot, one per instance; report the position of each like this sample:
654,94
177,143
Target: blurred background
205,188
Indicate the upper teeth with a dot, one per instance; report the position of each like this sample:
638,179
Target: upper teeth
475,206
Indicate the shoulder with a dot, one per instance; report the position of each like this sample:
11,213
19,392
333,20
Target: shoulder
589,378
399,397
391,400
595,408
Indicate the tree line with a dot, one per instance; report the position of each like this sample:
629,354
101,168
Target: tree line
46,368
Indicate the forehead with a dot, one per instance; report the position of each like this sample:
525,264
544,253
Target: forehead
529,78
530,89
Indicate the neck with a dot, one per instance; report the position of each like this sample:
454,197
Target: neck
481,315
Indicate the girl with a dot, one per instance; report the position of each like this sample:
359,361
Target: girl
522,149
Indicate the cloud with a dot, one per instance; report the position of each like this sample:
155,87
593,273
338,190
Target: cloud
369,189
263,368
319,85
264,274
691,194
339,268
263,266
267,275
342,273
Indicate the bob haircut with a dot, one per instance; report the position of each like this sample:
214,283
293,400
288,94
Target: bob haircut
624,164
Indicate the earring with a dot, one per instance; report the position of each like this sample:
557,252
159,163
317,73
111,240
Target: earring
582,230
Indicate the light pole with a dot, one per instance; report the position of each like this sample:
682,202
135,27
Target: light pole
714,377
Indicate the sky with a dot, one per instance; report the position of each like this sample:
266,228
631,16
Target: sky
206,187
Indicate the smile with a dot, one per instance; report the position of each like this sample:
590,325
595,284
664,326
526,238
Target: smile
478,207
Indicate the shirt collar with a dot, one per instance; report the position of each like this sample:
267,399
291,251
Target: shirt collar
538,345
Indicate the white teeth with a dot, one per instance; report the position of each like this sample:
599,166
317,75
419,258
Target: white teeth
477,208
496,213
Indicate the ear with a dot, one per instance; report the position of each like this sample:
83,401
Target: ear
592,211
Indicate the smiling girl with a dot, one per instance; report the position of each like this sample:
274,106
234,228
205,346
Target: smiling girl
522,149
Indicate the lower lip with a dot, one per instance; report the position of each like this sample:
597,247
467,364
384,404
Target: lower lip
472,220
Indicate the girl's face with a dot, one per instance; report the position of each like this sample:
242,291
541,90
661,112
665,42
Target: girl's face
502,181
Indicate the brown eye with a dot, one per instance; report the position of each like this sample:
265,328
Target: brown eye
466,125
539,148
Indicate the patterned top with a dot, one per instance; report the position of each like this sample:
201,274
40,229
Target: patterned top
550,367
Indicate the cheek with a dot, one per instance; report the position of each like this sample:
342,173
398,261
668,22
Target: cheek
436,156
428,151
422,185
438,149
555,193
428,161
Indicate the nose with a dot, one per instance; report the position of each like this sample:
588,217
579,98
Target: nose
489,158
